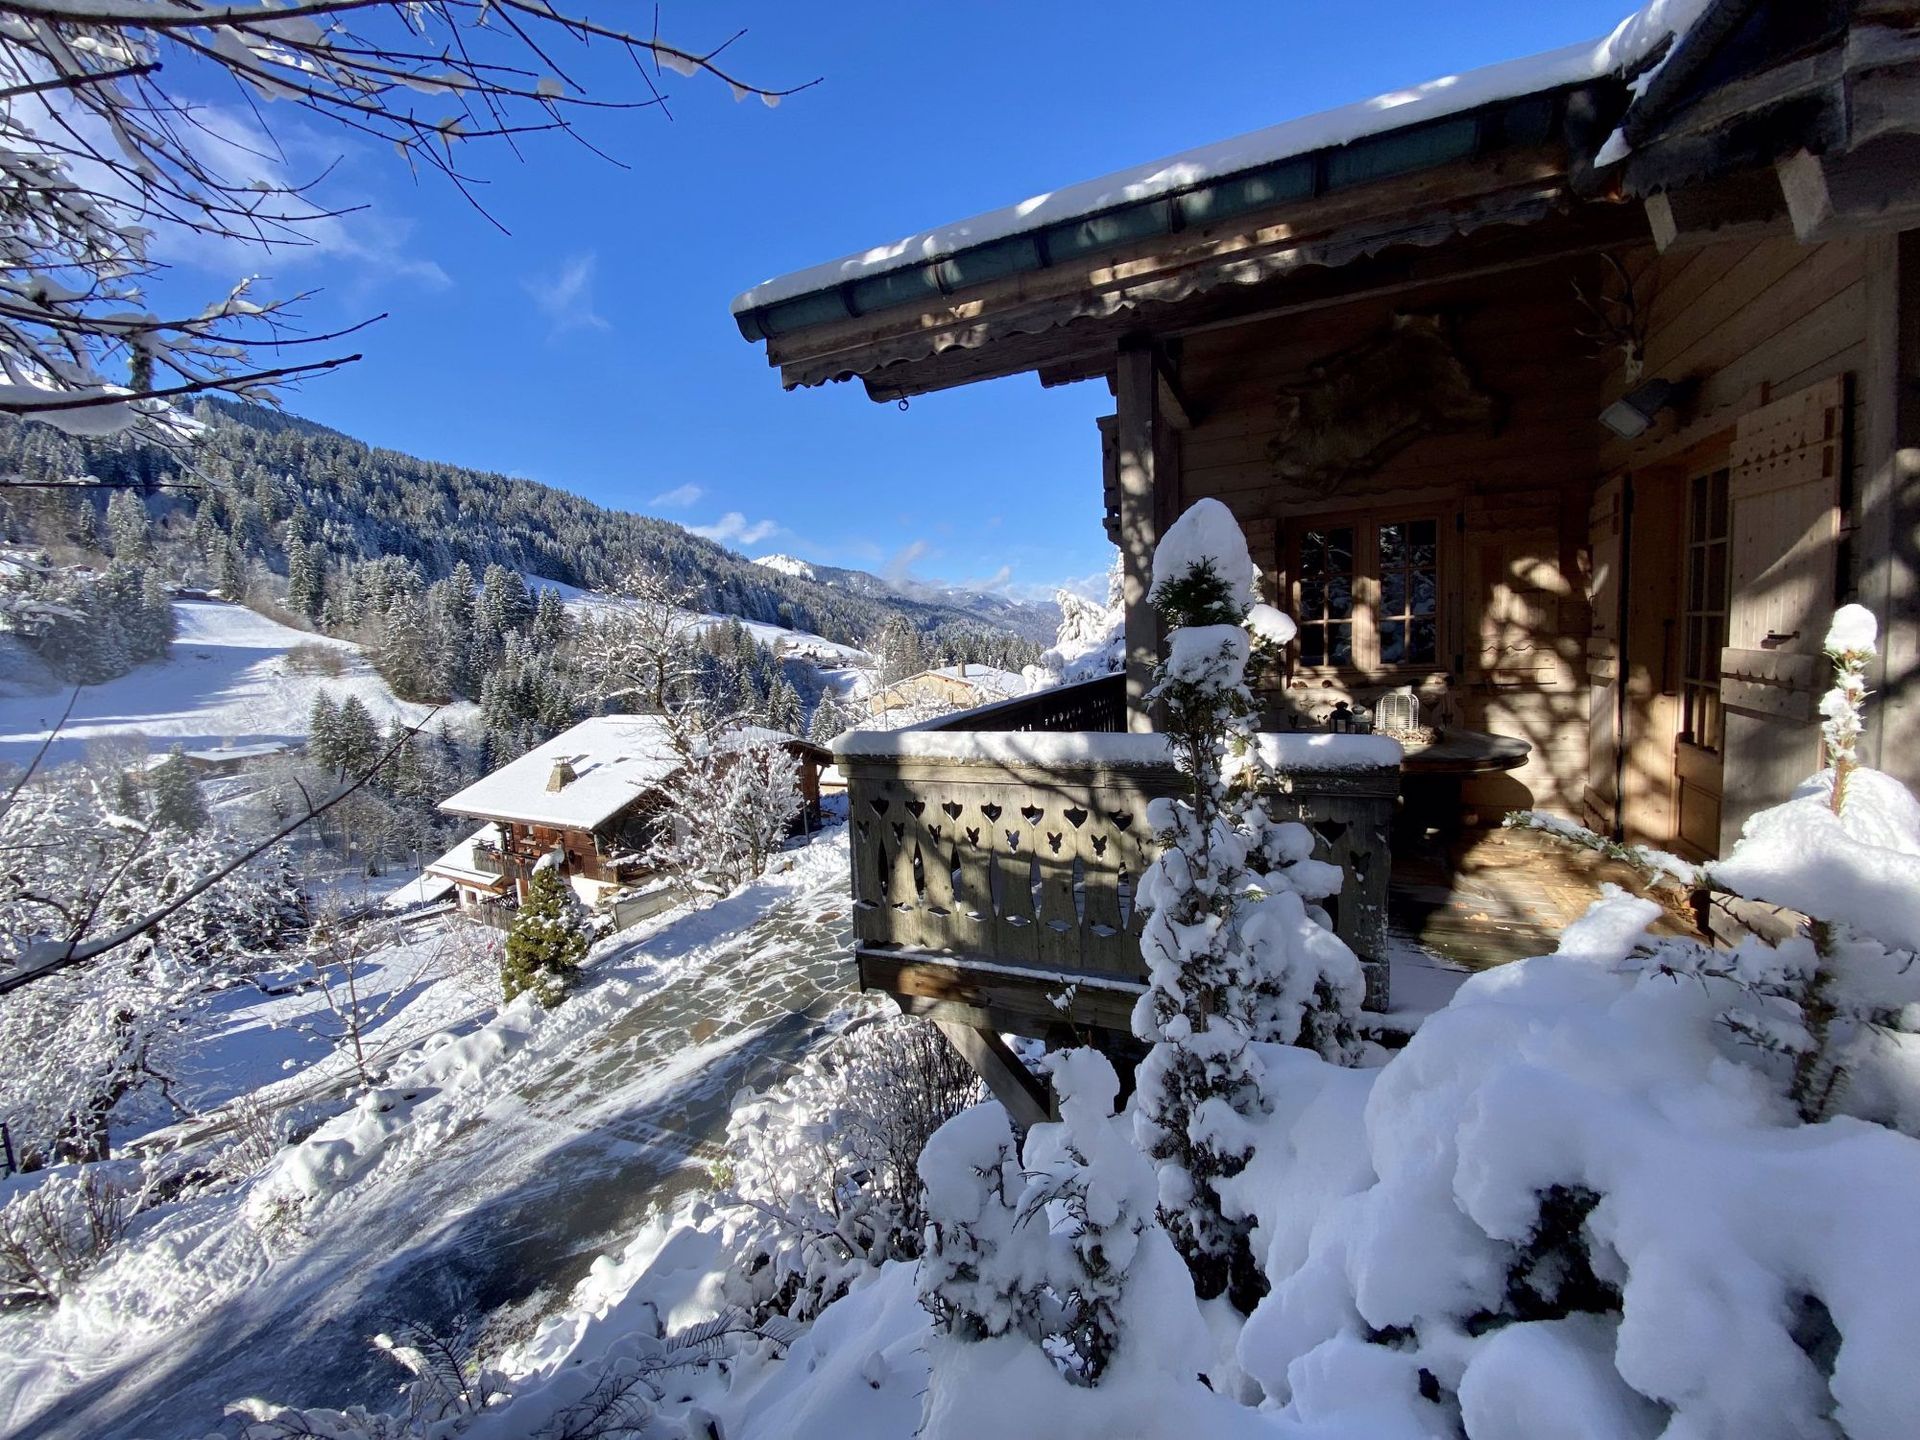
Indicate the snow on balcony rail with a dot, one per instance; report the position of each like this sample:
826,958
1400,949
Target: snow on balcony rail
1287,753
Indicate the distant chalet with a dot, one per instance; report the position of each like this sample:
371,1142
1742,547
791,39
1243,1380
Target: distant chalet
951,687
592,799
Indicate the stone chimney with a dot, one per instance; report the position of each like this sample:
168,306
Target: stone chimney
963,669
563,775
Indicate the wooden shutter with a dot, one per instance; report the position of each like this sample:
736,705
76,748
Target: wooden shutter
1783,496
1606,526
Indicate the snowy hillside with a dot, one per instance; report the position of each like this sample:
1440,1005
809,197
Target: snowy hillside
228,679
496,1160
777,638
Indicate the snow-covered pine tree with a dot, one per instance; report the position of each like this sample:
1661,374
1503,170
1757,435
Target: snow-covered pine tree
760,803
1233,955
831,718
357,738
128,529
547,942
177,804
729,804
323,733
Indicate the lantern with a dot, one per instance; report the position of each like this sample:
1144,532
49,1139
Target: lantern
1340,722
1399,711
1362,720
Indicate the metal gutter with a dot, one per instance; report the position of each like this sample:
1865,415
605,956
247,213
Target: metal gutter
1510,124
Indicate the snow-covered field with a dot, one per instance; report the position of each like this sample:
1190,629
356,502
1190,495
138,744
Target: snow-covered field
777,638
494,1162
228,679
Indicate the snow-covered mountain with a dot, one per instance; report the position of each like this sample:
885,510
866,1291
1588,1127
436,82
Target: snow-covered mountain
788,565
1037,621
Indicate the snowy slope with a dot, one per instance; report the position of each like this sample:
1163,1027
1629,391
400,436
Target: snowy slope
494,1164
227,679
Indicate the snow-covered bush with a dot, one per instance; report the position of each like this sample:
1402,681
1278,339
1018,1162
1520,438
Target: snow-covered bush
55,1231
1601,1189
1831,1005
453,1390
1232,952
824,1163
449,1384
977,1277
83,1044
548,940
1087,1172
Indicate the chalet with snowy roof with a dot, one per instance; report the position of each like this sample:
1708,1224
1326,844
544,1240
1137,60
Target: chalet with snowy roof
1562,400
950,687
587,801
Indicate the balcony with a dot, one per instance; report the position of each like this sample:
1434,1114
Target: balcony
996,852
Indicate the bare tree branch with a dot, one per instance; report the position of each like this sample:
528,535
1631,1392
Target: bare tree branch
79,951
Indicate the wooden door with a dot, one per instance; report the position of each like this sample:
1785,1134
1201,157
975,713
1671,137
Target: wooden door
1698,748
1783,497
1606,531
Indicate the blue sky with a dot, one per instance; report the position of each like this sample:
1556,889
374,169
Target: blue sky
591,348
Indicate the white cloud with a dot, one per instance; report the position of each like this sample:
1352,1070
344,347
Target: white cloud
903,561
566,299
733,528
677,498
334,226
999,580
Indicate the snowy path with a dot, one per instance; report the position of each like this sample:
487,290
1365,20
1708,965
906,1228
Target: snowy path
505,1196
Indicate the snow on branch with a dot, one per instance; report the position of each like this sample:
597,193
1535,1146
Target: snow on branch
102,157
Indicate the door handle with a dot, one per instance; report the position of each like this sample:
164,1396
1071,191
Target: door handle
1775,638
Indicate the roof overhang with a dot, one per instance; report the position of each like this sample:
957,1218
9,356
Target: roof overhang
1003,308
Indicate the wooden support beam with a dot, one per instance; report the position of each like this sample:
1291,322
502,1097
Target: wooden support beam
1012,1084
1137,425
1746,206
1870,190
1173,401
1886,508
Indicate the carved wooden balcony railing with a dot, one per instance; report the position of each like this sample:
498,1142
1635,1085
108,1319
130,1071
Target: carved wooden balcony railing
994,867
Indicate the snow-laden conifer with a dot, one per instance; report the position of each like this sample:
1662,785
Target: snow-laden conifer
548,940
1233,954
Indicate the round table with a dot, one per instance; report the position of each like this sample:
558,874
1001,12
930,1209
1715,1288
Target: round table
1431,775
1465,752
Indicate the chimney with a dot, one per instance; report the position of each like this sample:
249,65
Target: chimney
562,776
963,669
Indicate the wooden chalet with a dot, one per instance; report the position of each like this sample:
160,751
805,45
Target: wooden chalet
947,687
1571,394
588,800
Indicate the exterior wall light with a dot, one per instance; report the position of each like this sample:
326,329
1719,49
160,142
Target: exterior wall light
1633,414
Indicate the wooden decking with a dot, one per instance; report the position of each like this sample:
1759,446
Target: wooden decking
1489,896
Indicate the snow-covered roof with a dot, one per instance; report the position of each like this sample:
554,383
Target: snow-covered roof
215,754
1622,51
459,865
984,678
615,758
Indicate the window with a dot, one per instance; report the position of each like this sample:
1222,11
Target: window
1368,594
1326,596
1706,612
1409,592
